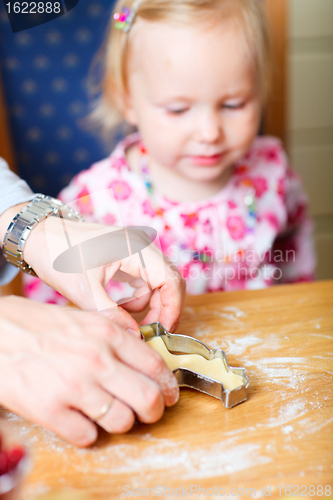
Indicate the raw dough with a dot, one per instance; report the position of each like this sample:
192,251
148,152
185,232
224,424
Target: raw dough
213,368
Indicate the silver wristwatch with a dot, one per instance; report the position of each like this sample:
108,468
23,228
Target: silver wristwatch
21,226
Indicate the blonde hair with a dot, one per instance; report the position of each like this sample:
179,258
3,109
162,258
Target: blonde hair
111,60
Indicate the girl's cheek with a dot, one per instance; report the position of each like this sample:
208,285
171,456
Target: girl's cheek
241,133
251,122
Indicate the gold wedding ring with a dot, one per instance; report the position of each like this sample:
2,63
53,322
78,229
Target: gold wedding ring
105,408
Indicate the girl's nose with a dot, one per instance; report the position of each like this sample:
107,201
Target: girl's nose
208,127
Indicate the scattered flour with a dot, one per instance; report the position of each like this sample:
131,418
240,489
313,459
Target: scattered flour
321,335
188,310
238,312
230,313
227,315
188,463
284,360
201,331
238,346
312,426
287,413
147,453
223,458
286,370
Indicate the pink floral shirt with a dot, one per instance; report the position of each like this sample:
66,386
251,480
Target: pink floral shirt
253,234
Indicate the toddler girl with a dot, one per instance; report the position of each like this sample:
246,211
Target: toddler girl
192,77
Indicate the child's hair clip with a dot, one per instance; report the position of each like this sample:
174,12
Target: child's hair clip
125,18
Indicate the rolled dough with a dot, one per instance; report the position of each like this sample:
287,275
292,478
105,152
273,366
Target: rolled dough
213,368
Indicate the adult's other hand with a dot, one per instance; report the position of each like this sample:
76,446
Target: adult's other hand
159,284
64,367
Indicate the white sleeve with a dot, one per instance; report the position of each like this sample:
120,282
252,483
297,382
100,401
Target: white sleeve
13,191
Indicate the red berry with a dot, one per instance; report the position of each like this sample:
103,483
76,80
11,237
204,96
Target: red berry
14,455
0,441
3,463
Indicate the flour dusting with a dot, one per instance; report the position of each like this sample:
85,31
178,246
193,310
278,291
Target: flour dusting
287,429
287,413
238,346
313,427
227,315
188,463
237,312
283,360
201,330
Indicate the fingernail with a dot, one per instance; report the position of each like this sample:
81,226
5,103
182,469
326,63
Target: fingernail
173,398
176,395
173,392
134,332
90,435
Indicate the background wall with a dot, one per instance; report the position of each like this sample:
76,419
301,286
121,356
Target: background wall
310,114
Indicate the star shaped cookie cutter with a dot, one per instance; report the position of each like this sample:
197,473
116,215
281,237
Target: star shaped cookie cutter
183,344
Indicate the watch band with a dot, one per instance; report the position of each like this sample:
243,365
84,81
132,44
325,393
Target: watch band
23,223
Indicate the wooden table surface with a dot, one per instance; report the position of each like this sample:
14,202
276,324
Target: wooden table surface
281,437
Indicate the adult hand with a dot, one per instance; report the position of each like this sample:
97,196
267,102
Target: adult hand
62,365
162,287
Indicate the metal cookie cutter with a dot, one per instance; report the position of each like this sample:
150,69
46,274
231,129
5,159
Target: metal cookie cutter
188,345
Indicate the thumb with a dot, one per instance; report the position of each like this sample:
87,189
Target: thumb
122,318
